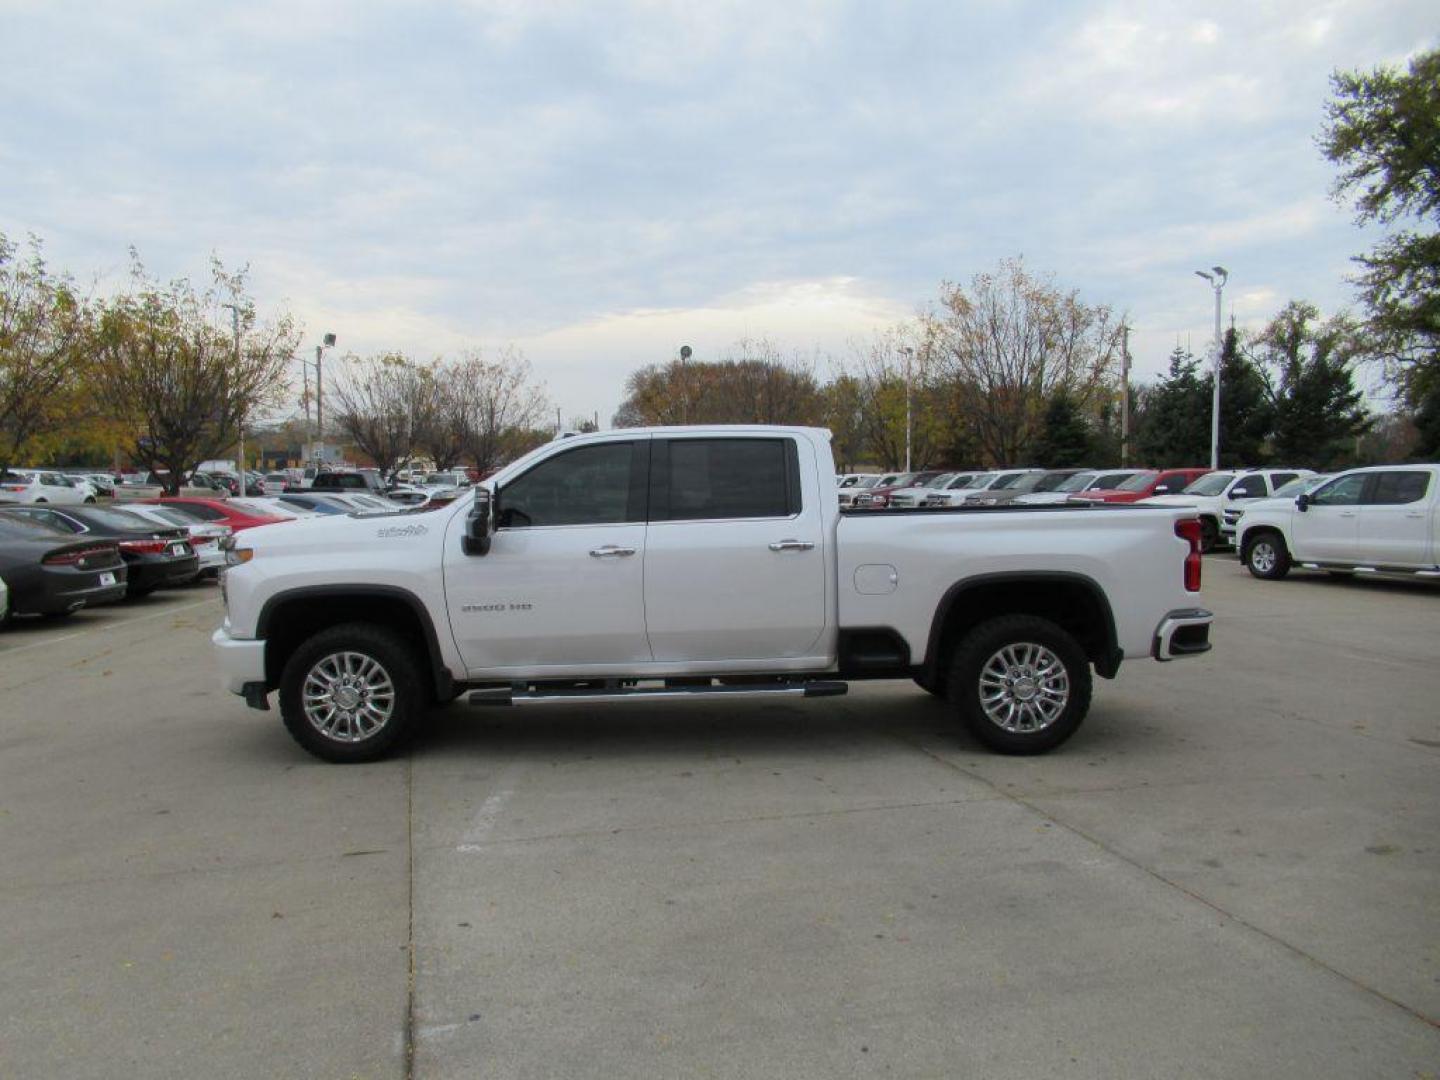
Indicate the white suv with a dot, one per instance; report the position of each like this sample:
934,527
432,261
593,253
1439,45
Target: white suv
44,487
1216,492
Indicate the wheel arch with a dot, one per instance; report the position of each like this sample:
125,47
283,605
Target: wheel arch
1074,602
290,617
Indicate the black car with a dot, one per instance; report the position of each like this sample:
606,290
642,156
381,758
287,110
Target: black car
49,572
156,556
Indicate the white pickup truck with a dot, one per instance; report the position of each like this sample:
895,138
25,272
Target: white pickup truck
665,562
1379,520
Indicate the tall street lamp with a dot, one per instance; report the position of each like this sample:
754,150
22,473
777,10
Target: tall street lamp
327,342
235,328
1216,276
909,356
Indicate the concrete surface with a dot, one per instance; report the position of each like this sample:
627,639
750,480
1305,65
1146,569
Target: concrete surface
1231,871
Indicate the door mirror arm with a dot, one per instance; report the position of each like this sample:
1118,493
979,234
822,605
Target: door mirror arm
476,540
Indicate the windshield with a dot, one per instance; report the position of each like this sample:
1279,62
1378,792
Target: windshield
1213,483
866,481
1008,480
979,480
1078,482
1300,485
15,527
1030,482
943,480
116,519
1140,481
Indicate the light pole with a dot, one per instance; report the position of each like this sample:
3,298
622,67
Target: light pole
327,342
1216,276
1124,394
685,353
235,328
909,356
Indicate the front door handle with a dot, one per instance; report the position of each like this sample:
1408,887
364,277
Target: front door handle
1416,514
610,551
1348,513
791,545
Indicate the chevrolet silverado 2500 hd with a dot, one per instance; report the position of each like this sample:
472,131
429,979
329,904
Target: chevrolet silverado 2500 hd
654,563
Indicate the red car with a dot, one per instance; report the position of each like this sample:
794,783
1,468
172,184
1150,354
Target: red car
219,511
1144,484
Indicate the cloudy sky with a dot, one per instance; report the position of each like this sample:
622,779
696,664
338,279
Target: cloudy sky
598,183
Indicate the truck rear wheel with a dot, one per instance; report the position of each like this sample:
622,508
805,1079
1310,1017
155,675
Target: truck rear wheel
352,692
1021,683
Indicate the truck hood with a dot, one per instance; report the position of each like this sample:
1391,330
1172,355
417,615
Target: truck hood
343,531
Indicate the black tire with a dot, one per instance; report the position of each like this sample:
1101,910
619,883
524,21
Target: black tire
1209,535
398,663
983,646
1265,555
89,500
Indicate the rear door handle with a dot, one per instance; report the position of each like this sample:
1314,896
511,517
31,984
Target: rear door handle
1347,513
1415,514
610,551
791,545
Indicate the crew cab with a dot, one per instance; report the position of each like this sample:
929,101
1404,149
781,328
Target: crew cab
1378,520
693,561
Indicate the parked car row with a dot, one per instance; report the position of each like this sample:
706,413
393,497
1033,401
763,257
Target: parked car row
1216,495
56,558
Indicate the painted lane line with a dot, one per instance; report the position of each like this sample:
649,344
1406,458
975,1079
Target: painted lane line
49,642
484,823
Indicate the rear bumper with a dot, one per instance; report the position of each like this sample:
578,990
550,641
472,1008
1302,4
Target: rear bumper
1184,632
241,661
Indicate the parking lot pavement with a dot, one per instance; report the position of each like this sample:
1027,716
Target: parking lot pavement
1230,871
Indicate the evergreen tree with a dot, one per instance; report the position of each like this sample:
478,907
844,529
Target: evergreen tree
1173,421
1383,130
1065,438
1246,412
1318,410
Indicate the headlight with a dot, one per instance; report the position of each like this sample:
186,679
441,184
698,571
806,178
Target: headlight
234,556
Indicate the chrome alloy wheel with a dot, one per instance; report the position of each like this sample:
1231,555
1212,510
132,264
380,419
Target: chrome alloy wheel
1262,556
1024,687
348,696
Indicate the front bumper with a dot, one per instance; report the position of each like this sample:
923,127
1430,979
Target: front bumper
1184,632
241,661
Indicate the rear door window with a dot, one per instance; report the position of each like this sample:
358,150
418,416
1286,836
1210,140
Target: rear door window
1397,488
708,479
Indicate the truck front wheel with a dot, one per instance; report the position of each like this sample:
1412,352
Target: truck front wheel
1266,556
1021,683
352,692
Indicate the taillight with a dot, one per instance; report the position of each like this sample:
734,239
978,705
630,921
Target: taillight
1189,529
72,558
144,547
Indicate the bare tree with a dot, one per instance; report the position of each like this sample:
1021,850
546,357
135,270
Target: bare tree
752,383
1009,343
493,406
43,330
165,362
382,404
